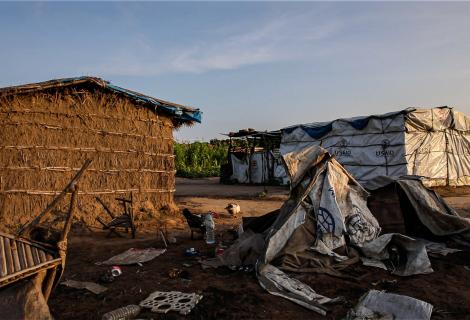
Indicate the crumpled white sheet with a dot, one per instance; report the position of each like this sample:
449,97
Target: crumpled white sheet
377,305
416,262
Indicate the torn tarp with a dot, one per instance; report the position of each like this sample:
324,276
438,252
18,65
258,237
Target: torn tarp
326,209
379,305
406,206
402,255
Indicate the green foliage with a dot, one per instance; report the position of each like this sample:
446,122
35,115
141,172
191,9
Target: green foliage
200,159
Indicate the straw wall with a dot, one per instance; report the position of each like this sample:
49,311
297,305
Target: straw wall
46,137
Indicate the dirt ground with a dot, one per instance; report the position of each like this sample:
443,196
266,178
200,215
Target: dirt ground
237,294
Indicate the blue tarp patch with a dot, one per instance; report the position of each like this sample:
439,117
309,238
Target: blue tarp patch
318,130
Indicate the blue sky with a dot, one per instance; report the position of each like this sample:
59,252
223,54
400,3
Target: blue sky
264,65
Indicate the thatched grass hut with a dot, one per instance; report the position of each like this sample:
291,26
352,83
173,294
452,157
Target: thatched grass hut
50,128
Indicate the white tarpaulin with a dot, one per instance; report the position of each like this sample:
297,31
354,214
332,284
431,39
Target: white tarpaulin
257,168
380,305
326,203
433,143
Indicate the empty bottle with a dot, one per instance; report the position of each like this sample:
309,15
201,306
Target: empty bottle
210,226
124,313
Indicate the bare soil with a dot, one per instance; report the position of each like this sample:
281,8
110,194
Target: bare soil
237,295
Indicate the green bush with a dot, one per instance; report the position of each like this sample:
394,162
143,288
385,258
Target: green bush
200,159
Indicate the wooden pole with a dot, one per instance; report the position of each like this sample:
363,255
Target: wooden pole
56,200
108,211
68,222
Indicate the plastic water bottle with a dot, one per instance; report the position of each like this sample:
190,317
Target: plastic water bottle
210,226
124,313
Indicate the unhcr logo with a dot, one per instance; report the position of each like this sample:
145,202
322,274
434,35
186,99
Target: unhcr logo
341,149
384,152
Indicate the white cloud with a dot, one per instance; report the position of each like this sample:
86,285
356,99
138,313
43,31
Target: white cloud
283,38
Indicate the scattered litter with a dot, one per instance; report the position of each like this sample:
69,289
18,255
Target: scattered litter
466,268
174,273
214,214
116,271
219,251
124,313
133,256
191,252
381,305
178,273
90,286
172,240
162,302
210,227
187,265
301,291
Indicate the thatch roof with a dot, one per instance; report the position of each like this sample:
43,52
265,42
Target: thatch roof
182,114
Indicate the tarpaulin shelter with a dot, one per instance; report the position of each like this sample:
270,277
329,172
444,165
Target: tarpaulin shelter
253,158
326,226
326,212
432,143
406,206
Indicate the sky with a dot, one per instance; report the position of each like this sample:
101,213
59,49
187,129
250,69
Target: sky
262,65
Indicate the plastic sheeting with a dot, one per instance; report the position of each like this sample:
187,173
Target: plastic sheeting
379,305
409,257
326,204
257,168
433,143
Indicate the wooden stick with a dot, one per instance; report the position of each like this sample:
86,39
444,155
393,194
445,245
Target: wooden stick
54,202
163,238
108,211
50,279
105,226
9,258
3,260
68,222
16,258
29,256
